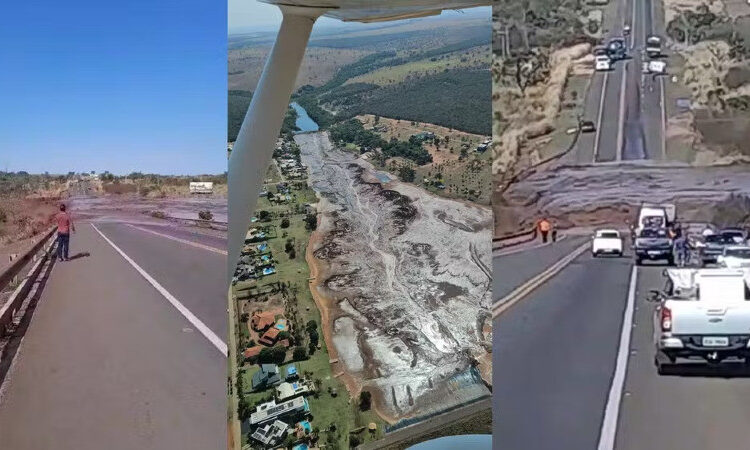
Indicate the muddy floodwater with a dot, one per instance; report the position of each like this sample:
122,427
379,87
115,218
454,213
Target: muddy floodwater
404,277
593,193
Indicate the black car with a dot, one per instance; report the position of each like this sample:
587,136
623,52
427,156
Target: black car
587,126
653,244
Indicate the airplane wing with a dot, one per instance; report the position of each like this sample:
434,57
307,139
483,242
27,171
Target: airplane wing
379,11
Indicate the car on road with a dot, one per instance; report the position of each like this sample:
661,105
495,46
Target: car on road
735,257
626,30
653,46
602,63
701,314
655,67
736,235
616,48
606,242
712,247
652,215
653,244
587,126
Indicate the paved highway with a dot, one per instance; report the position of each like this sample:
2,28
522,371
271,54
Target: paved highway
112,348
625,104
558,384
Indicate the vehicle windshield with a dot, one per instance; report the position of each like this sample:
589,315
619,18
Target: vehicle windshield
653,221
652,233
718,239
609,234
742,253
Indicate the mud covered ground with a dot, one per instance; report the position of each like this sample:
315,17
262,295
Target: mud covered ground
404,276
610,194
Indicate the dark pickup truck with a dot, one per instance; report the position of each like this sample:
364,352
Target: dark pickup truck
653,245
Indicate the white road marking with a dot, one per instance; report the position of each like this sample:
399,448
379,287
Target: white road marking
612,410
195,321
663,120
522,291
621,123
599,118
183,241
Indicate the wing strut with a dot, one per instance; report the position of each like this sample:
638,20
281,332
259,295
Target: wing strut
255,143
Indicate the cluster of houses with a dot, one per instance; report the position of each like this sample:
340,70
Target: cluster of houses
288,412
256,259
289,164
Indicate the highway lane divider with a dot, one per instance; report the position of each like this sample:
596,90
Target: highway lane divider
519,293
183,241
192,318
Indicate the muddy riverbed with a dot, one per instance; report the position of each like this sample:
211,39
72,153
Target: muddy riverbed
404,278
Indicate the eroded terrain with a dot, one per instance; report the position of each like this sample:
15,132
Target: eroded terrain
403,278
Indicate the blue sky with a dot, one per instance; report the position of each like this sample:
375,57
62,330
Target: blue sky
120,86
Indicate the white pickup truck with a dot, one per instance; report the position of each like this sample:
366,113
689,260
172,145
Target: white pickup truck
702,314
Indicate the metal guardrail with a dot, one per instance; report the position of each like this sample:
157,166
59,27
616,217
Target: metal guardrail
8,310
509,240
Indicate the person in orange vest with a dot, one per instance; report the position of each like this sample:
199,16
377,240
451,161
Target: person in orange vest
544,227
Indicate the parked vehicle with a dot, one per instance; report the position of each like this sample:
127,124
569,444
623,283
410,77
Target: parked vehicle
587,126
655,216
653,46
736,235
653,244
702,313
712,247
735,257
616,49
602,63
606,242
626,30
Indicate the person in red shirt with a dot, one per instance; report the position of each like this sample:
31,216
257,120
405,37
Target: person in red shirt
64,227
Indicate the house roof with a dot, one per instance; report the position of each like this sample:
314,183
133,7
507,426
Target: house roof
262,320
252,351
270,336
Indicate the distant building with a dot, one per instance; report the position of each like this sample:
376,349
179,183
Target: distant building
266,412
271,434
268,375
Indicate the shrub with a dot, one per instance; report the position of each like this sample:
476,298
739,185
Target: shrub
205,215
284,223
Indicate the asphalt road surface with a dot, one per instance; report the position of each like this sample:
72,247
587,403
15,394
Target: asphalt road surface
514,267
555,358
625,105
109,362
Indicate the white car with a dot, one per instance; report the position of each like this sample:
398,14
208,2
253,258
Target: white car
735,257
602,62
606,242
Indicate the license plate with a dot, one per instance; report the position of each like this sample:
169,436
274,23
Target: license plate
715,341
654,252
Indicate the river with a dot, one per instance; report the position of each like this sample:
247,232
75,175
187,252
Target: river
304,122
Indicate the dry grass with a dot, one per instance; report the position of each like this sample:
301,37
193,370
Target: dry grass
319,65
533,113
